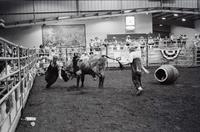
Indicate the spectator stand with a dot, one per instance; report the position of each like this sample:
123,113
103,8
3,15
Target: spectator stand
43,55
18,70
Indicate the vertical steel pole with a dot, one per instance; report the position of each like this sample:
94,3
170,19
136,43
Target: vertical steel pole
147,52
198,5
34,18
161,4
77,7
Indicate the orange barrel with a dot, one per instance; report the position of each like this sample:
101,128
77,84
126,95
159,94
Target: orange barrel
166,74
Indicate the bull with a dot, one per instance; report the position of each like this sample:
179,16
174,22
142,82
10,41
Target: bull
93,65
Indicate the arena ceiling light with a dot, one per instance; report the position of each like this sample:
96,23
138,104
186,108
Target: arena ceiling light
2,25
160,25
175,15
163,18
127,11
183,19
64,17
2,21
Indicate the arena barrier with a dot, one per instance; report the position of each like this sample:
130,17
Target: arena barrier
16,79
197,56
173,53
159,53
154,53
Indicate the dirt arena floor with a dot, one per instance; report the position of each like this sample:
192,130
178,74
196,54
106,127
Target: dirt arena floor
162,108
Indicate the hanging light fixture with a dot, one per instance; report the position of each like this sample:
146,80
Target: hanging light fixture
183,19
176,15
2,23
63,17
127,11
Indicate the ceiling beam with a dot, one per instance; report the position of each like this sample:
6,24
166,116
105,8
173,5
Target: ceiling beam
159,14
113,13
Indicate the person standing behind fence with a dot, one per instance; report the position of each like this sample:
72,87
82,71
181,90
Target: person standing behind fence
128,40
173,40
196,40
150,42
179,41
184,39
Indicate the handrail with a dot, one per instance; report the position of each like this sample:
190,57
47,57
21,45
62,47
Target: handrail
8,75
9,58
11,43
5,96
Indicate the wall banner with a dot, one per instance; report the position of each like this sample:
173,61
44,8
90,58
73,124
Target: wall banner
170,54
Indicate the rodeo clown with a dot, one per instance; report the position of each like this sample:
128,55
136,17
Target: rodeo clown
53,70
135,59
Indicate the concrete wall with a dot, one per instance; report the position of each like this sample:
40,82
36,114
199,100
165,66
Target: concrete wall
31,36
102,27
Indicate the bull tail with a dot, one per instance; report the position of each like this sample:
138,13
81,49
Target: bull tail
120,64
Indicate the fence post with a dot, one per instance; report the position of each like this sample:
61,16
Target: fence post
198,5
147,53
161,3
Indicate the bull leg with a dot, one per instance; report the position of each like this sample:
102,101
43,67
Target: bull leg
101,80
82,80
93,75
78,80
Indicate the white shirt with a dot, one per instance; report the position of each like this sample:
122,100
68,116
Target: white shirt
128,41
136,53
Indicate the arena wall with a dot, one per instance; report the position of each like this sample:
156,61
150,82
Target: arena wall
29,36
32,35
190,32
